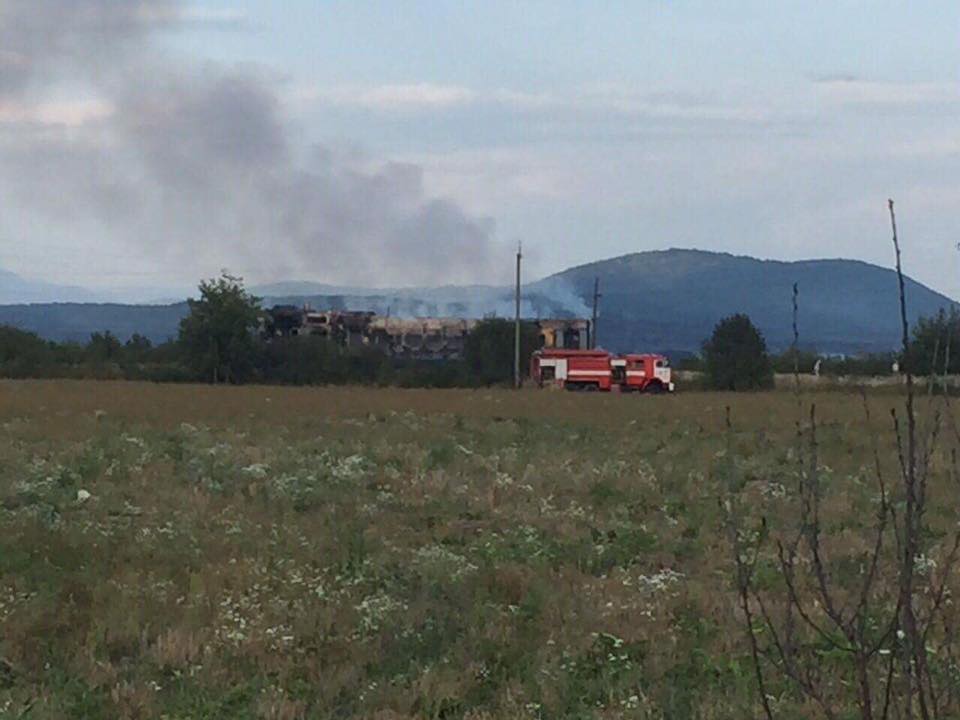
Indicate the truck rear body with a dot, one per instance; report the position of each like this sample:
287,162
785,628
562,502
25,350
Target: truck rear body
572,369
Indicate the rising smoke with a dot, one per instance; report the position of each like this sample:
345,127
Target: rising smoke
197,165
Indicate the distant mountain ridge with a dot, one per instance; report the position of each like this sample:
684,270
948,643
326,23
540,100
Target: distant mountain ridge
15,289
665,300
75,322
672,299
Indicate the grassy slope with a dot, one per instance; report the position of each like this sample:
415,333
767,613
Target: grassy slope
286,553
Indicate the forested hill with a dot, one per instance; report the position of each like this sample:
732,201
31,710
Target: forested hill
75,322
671,300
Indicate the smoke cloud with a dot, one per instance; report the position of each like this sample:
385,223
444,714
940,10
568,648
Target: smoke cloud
197,165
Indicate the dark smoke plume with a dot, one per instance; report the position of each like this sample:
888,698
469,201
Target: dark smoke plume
196,163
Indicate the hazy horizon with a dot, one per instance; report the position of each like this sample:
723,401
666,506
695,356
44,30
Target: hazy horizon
44,293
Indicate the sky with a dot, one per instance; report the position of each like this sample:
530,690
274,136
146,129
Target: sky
145,144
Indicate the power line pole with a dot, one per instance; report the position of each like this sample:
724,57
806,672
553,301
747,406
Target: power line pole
596,308
516,334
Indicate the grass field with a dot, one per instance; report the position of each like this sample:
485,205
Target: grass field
200,552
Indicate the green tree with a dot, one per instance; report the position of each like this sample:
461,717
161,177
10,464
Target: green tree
104,348
488,351
936,343
24,355
735,356
137,349
219,335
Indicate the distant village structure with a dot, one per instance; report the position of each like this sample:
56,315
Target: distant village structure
417,338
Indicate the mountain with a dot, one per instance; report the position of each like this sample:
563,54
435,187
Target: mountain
15,289
670,300
667,301
75,322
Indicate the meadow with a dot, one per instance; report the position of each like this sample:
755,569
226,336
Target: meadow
282,553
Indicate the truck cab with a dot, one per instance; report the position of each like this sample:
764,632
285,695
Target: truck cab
646,372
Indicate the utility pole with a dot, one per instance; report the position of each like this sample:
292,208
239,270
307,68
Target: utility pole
957,247
596,308
516,332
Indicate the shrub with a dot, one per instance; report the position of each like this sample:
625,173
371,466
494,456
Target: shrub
489,351
735,356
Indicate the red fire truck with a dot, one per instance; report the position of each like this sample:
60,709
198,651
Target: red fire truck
600,370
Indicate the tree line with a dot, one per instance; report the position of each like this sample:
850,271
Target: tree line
735,357
218,342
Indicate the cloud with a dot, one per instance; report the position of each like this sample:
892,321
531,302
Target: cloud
47,41
223,18
407,97
526,101
74,113
855,92
606,99
197,164
626,101
929,146
421,97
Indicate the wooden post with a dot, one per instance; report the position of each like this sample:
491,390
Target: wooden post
596,308
516,336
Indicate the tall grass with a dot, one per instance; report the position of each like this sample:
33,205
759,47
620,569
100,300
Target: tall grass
289,553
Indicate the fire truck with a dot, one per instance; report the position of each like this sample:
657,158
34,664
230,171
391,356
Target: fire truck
599,370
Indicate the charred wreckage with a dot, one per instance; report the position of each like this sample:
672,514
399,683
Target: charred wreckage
432,338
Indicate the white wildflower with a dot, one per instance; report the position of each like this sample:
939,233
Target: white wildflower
659,582
774,490
376,609
257,471
352,467
439,562
924,565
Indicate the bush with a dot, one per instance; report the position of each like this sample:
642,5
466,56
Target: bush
489,351
735,356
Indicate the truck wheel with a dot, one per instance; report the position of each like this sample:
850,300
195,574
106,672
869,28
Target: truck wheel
655,388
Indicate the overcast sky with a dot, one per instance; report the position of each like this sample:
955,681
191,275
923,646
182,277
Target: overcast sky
149,143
